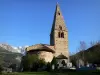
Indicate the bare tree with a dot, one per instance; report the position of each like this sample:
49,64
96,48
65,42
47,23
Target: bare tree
83,45
81,53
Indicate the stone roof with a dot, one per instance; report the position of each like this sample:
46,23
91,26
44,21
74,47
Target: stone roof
61,56
40,47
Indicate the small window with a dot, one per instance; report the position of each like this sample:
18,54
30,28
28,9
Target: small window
62,35
58,13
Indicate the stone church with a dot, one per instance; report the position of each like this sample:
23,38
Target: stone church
58,41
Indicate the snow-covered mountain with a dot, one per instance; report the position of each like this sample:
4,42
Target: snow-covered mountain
13,48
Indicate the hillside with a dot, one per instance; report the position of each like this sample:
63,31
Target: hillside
91,55
7,58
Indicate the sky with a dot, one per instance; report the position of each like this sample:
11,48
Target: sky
29,22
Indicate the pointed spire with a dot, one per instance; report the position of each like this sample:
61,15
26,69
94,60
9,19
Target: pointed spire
57,6
58,20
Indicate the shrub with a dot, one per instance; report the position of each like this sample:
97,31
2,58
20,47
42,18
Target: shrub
32,62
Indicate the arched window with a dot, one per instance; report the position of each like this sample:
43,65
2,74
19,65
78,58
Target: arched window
60,27
63,62
62,35
59,34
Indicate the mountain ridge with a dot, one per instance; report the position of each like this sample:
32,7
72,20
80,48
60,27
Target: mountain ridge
20,49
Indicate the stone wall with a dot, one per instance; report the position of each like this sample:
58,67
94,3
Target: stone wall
61,44
47,56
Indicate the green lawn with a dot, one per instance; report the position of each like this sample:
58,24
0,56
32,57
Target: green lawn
57,73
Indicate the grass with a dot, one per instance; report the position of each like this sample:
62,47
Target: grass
57,73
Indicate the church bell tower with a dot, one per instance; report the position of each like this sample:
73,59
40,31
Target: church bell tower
59,34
